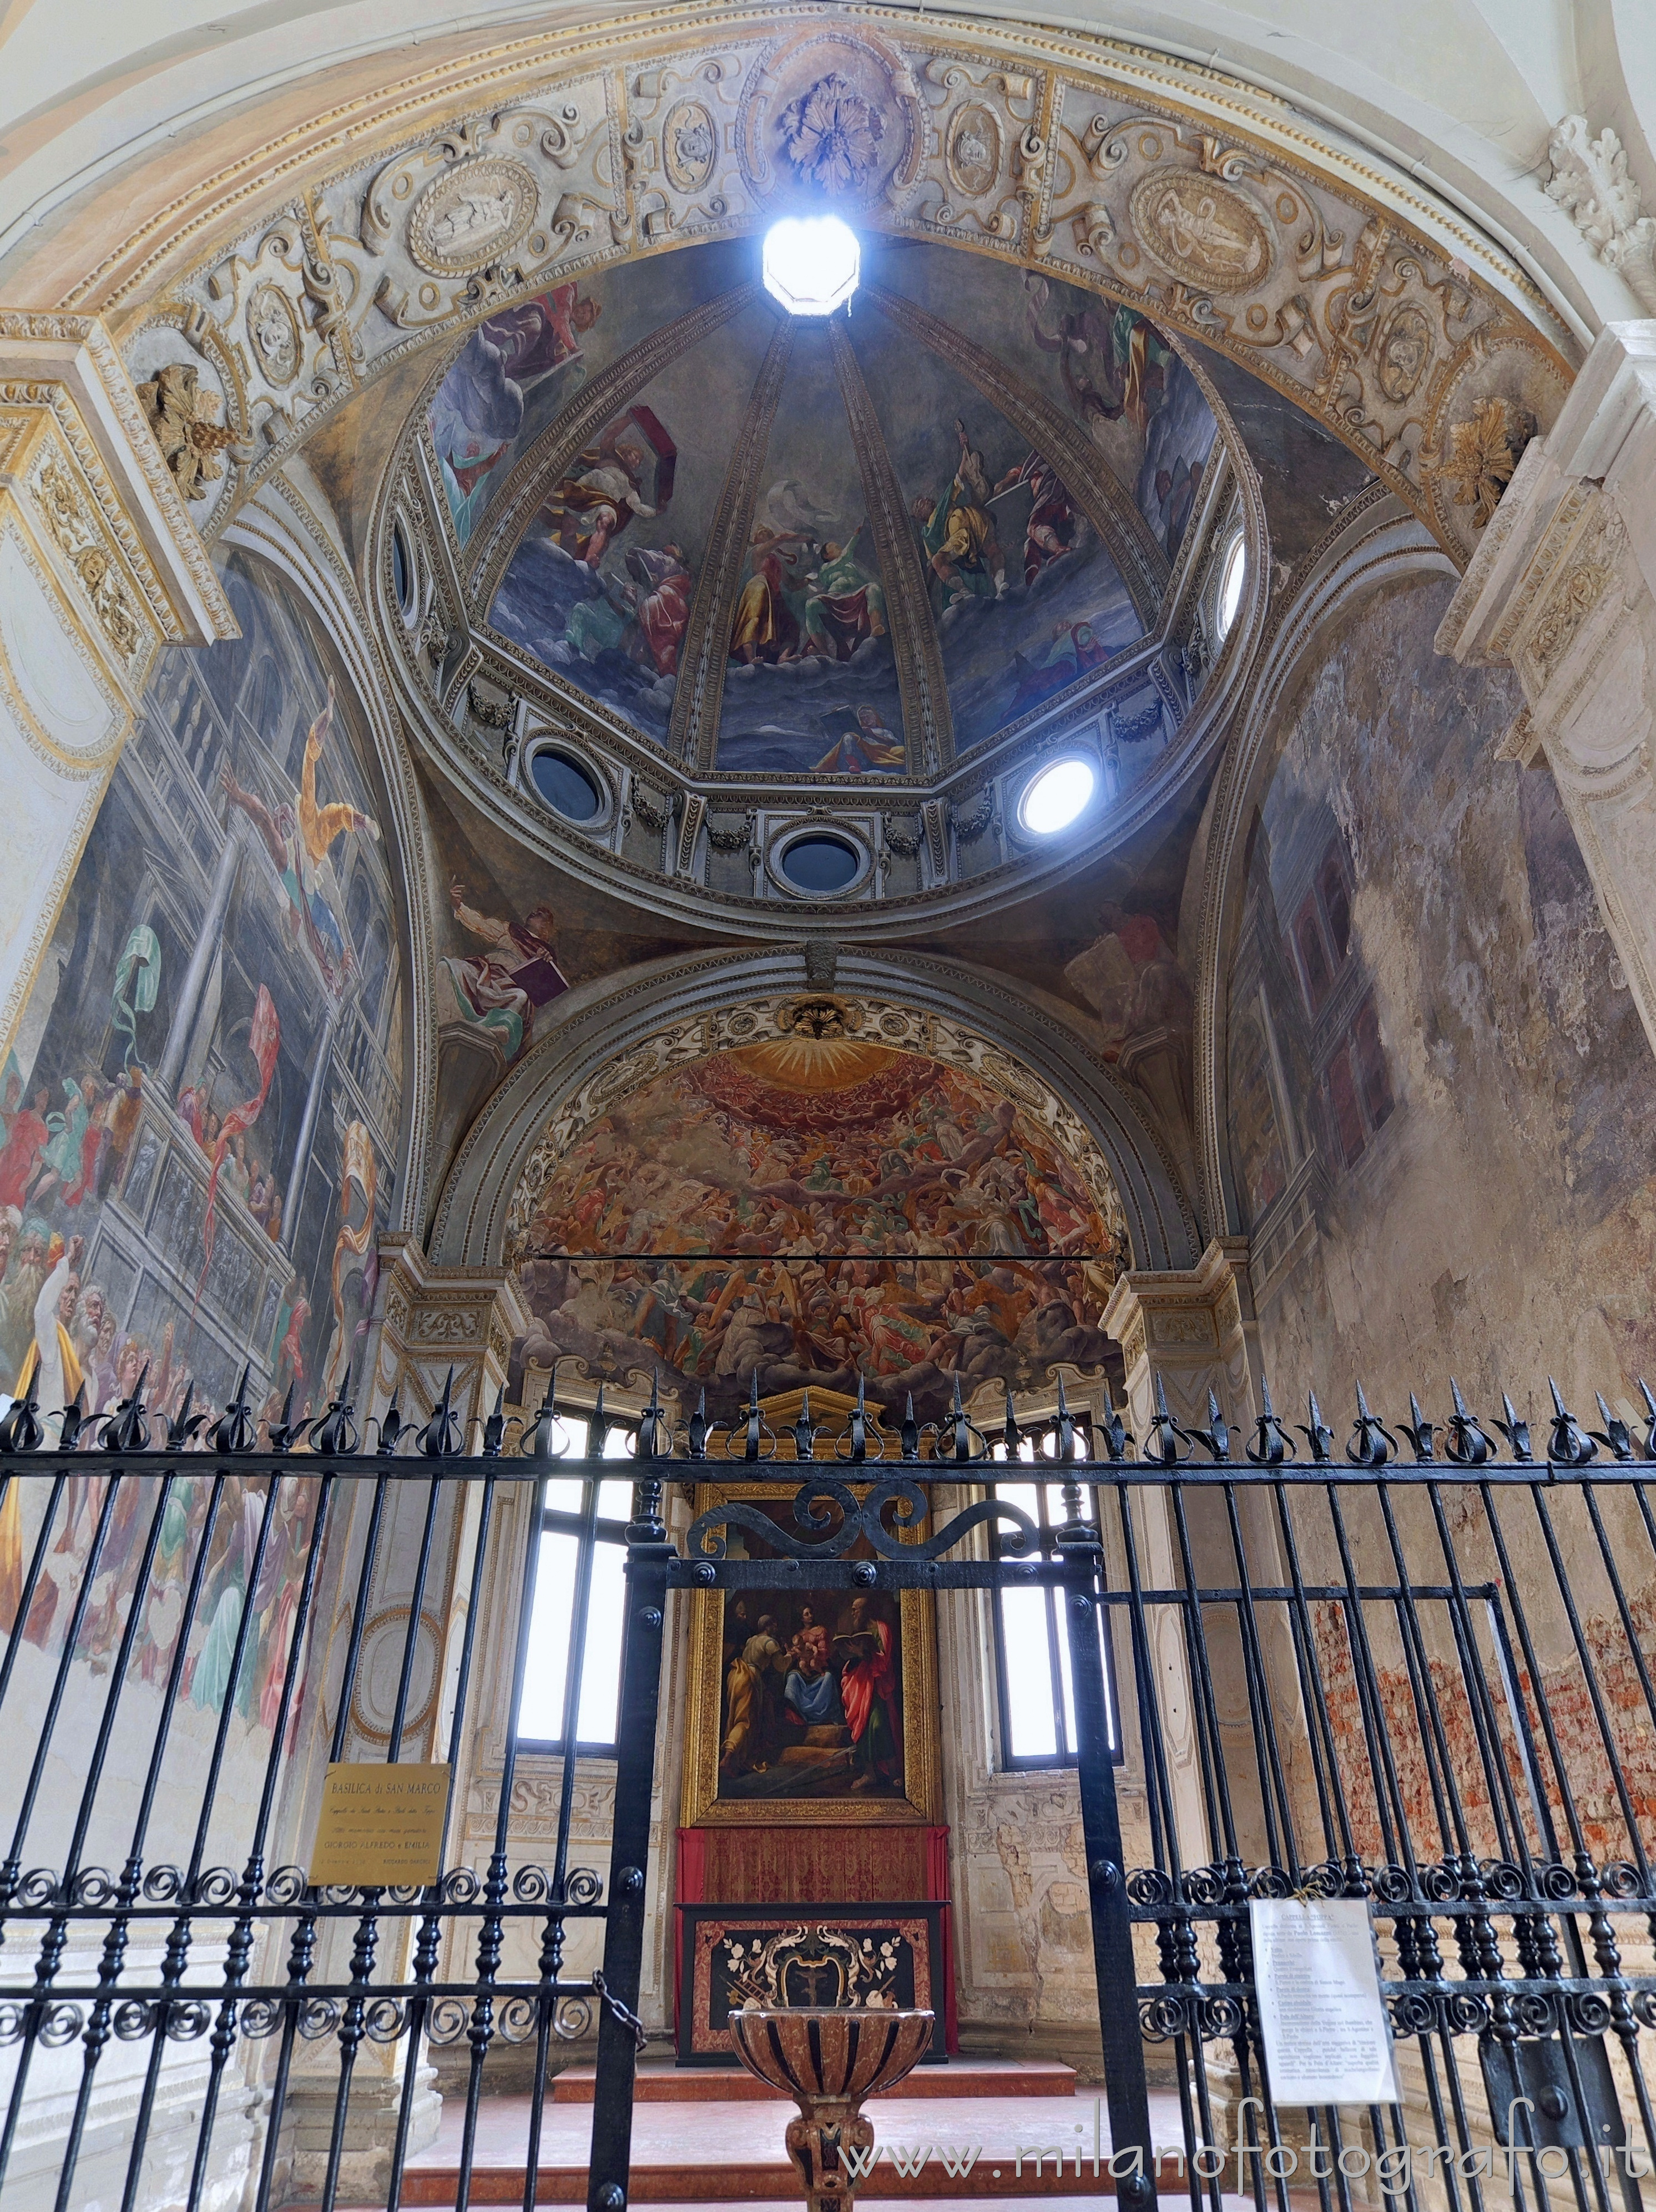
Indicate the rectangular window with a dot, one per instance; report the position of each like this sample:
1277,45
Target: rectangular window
1034,1676
582,1541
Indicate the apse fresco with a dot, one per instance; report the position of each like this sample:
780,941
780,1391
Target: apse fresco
600,587
522,364
201,1127
1026,599
957,1240
810,682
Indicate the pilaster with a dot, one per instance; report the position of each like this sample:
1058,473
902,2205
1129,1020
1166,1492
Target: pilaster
1193,1330
101,568
1564,588
426,1320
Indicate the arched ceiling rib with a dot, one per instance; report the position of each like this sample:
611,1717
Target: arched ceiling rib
1380,312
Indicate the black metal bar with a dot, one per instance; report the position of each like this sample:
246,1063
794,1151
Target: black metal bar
624,1934
1125,2084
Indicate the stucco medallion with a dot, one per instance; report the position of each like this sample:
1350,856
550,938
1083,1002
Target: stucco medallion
469,218
1201,230
831,116
689,146
1402,352
974,149
831,136
273,333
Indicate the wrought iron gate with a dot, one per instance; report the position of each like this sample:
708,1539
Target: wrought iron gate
1414,1667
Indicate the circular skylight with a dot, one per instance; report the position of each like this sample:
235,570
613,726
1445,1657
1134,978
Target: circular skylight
1230,587
1053,799
811,263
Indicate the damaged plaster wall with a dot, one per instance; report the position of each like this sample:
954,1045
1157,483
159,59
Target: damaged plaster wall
1441,1111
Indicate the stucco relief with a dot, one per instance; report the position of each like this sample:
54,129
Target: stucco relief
1052,158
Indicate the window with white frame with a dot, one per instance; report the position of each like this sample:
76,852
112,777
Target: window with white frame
1033,1674
584,1543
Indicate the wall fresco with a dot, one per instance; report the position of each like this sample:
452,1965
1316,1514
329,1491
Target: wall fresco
522,364
811,684
202,1128
1441,1101
956,1238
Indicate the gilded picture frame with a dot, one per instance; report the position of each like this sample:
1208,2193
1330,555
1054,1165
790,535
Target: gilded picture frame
703,1805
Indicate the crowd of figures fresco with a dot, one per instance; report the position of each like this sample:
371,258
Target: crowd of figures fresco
1024,599
202,1118
958,1238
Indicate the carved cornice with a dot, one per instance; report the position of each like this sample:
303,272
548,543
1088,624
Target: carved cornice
66,365
1352,293
928,726
1089,481
693,732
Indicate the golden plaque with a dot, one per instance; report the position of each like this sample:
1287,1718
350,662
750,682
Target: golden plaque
381,1826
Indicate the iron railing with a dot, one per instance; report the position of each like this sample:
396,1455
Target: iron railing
1414,1669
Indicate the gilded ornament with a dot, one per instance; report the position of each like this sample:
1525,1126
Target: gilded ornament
469,218
183,418
824,1019
1483,454
832,135
1403,351
273,333
689,146
1201,230
974,150
70,520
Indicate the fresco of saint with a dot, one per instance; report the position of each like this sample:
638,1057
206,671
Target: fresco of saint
299,837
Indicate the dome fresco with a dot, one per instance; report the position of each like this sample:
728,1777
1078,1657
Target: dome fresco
850,526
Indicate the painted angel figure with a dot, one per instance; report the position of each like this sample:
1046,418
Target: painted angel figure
299,838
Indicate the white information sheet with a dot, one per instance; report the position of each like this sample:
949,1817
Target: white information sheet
1327,2040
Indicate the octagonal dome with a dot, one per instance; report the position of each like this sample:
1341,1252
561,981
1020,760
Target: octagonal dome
860,544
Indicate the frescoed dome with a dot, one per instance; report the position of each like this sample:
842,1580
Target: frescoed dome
860,545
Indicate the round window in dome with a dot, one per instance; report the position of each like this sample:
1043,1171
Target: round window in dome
821,863
565,785
1230,589
1055,796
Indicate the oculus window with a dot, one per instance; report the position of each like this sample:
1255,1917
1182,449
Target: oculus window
584,1548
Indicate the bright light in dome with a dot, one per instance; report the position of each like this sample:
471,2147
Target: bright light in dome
1053,799
811,263
1230,587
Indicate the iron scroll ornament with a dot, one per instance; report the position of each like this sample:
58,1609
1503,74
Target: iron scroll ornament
815,1502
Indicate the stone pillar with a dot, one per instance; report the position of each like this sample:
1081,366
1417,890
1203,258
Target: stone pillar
101,568
1564,588
426,1320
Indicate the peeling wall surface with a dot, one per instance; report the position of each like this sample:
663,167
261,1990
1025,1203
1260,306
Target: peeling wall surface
1441,1112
